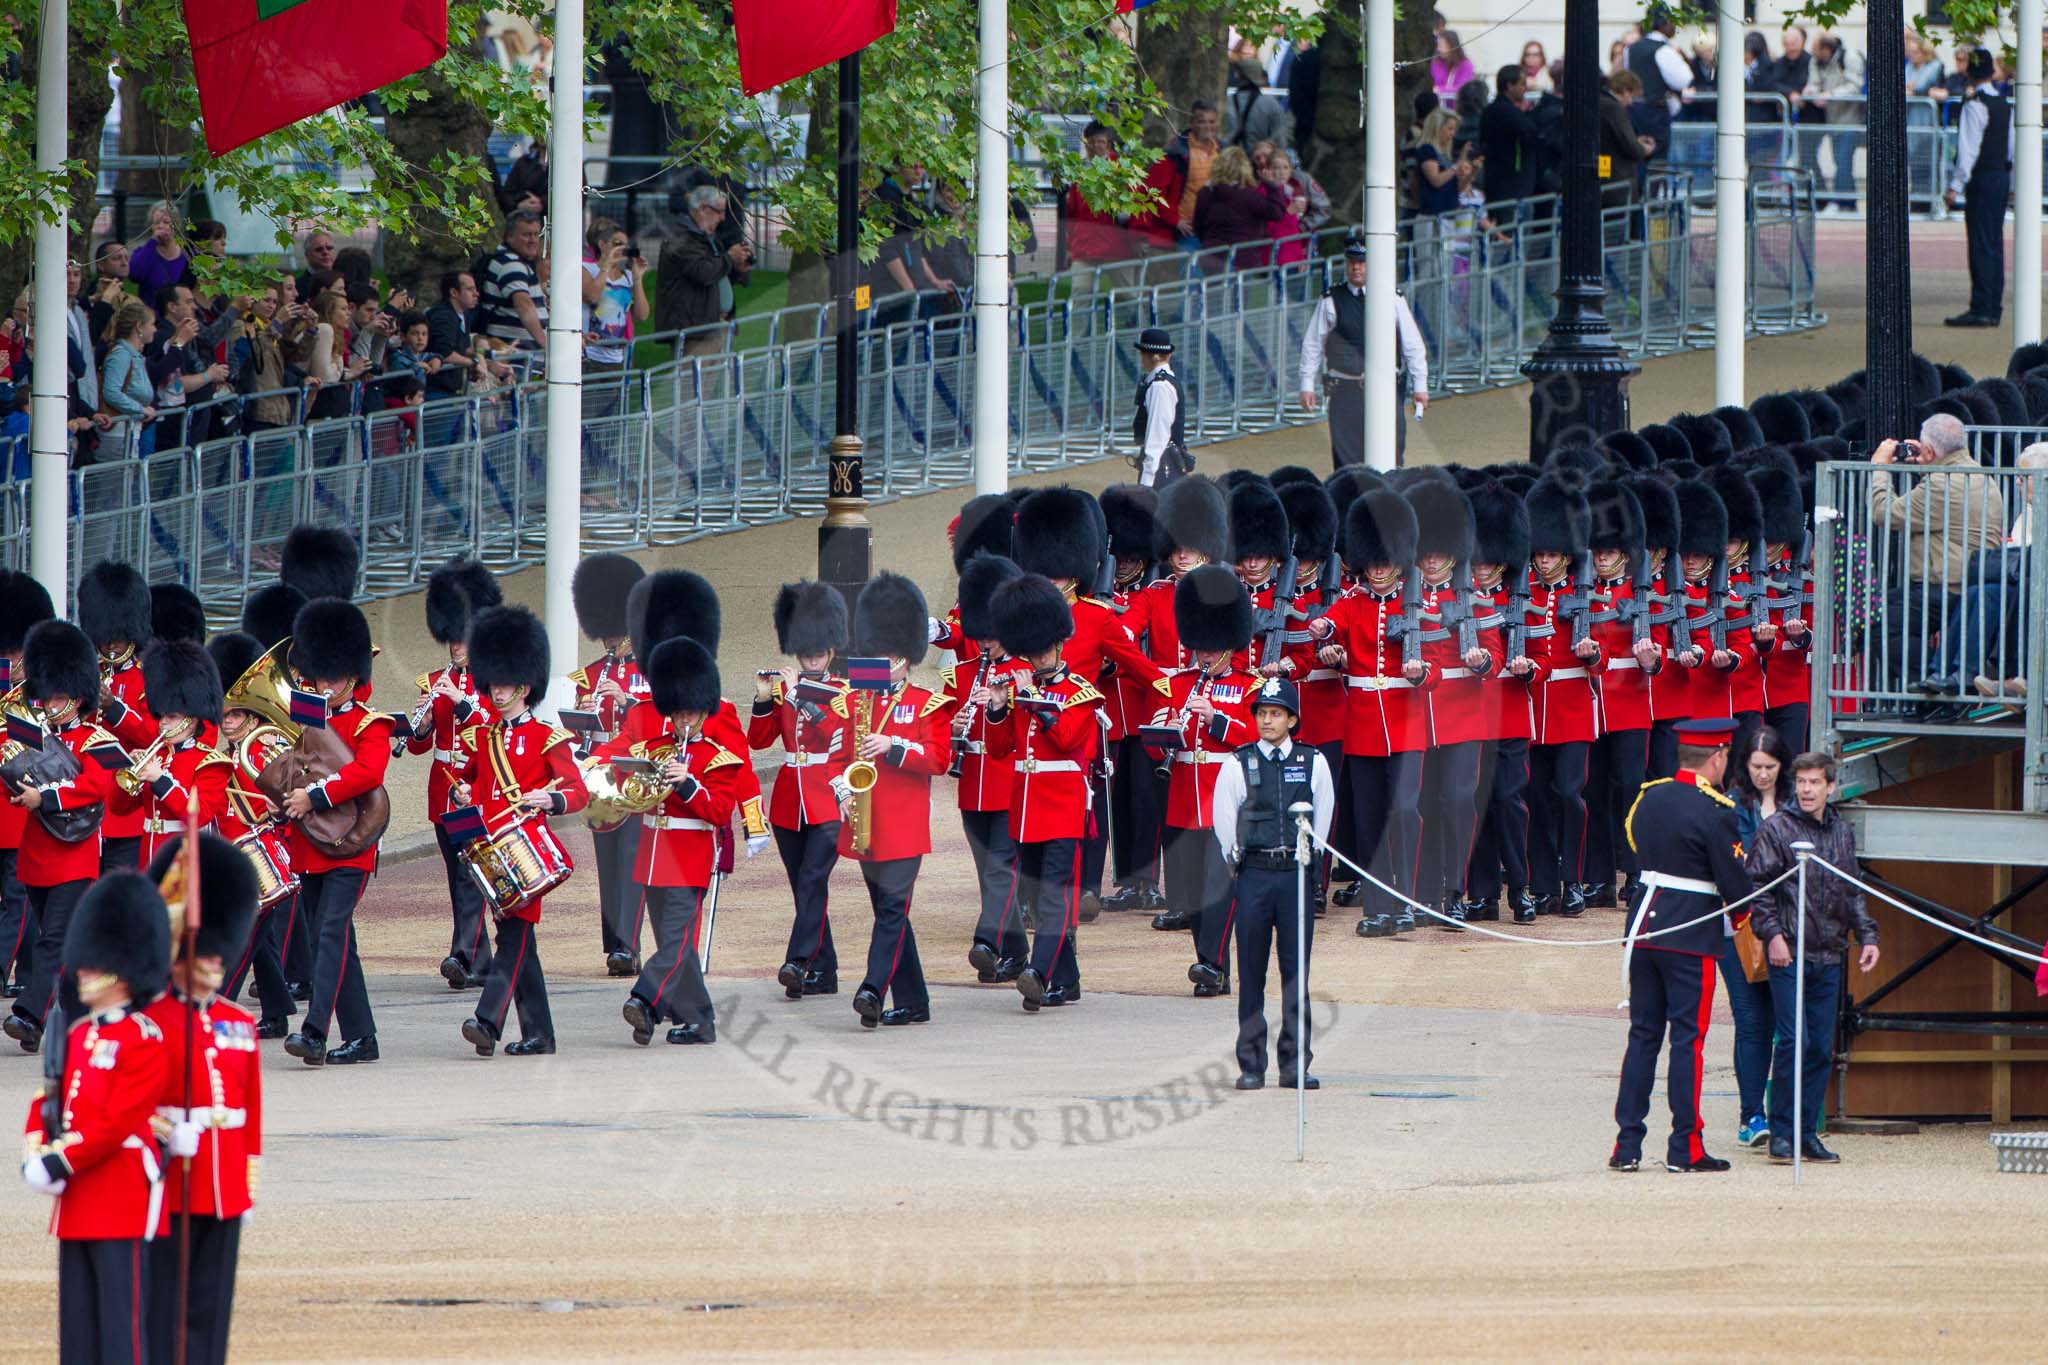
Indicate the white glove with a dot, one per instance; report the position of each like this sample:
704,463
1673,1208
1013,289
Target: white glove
755,843
184,1139
934,630
35,1173
840,791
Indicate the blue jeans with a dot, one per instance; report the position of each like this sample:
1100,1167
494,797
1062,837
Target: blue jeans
1973,638
1750,1003
1823,996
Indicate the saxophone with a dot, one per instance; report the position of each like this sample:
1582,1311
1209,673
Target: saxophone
860,774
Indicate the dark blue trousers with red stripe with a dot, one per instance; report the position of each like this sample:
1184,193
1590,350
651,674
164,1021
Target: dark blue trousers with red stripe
1000,926
672,981
102,1295
329,900
1049,880
1674,991
808,856
515,981
894,969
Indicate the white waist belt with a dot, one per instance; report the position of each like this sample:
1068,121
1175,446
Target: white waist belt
805,760
1664,881
973,746
1048,765
1450,673
1626,661
1198,756
446,755
1321,675
205,1118
1379,684
1566,675
659,822
157,825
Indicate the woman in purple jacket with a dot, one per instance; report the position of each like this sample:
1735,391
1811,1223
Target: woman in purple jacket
1232,208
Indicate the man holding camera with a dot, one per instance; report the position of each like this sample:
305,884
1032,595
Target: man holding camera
695,276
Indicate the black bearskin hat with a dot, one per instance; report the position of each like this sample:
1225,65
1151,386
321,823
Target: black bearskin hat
599,588
1702,520
2026,359
1500,525
24,605
1708,436
978,584
810,618
889,619
1345,486
1745,510
176,614
57,660
1823,414
1615,518
1192,516
270,611
1230,480
113,605
1029,614
1925,379
2011,401
1954,376
320,561
1312,518
234,653
1667,441
1131,511
1379,528
1258,522
1660,512
681,676
983,528
1559,519
457,593
1443,519
509,645
1057,535
1982,410
1629,450
1212,610
1581,460
1849,397
227,893
1743,428
2035,387
331,640
1293,473
180,679
122,926
1769,457
1784,510
1782,419
672,602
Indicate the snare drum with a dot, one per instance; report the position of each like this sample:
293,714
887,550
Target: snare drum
519,863
276,883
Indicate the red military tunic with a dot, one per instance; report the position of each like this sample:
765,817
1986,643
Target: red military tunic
1191,785
226,1101
247,813
678,838
1102,633
1127,700
1384,712
1624,688
1714,695
1456,703
899,804
1562,706
438,724
507,759
188,767
46,860
1788,668
1506,695
1252,657
1747,685
807,731
986,777
1049,795
1321,687
1148,615
115,1068
369,734
619,668
130,722
1671,685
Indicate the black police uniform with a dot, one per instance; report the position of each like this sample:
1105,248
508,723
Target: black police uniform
1267,898
1684,834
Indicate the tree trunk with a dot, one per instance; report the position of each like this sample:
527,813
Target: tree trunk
145,134
421,131
1188,61
1336,151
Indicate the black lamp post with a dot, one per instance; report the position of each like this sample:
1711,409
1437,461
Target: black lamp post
1888,285
845,538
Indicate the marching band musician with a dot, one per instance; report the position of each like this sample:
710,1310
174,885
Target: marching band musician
1621,751
982,527
1259,546
608,686
1385,725
24,604
114,612
1563,716
319,561
1319,690
248,815
1500,853
450,702
803,814
1047,726
216,1126
1210,708
906,733
91,1145
1135,797
331,652
1671,685
1745,536
1784,623
63,680
520,770
678,851
185,691
267,618
987,779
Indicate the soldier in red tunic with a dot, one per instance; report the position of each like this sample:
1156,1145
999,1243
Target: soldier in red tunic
62,680
1671,685
1563,716
1500,856
1723,648
521,770
793,708
1312,526
1744,605
24,604
987,779
1137,798
1630,661
250,821
331,653
113,611
1784,616
212,1101
90,1144
450,702
185,689
607,687
1046,726
1260,544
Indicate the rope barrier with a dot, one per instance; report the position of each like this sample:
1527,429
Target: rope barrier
1898,904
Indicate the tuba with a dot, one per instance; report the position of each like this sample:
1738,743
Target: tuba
614,799
307,756
860,774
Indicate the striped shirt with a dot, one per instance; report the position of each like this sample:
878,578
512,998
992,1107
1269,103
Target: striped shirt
506,275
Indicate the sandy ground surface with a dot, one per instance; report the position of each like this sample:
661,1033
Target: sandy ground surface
1083,1182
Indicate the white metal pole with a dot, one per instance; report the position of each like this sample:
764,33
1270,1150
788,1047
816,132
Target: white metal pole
1382,406
1304,849
992,253
1731,208
49,465
1805,852
2026,165
565,344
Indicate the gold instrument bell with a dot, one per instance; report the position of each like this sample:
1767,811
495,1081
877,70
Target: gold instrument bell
860,774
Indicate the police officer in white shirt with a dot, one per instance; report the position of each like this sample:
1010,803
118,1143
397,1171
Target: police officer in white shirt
1159,434
1337,332
1257,785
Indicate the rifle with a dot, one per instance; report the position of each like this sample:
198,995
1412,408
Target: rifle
1578,604
1460,614
1634,610
1272,622
1408,629
1793,589
1519,631
1716,618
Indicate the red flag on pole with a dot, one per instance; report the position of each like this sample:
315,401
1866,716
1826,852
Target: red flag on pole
264,64
782,39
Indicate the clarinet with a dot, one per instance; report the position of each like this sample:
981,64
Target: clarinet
969,713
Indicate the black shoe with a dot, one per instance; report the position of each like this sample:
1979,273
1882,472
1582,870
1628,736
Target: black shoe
1404,921
12,991
1250,1080
620,964
1031,986
1523,905
542,1046
1170,920
1938,686
790,976
1202,974
1598,895
1288,1082
1056,996
1091,907
23,1030
1970,319
1209,990
903,1014
1376,926
1453,912
1574,903
1350,897
301,992
1545,905
868,1005
1813,1151
454,973
1699,1165
308,1049
1625,1161
476,979
982,958
1153,899
359,1050
479,1037
1008,969
683,1034
640,1015
817,983
273,1028
1781,1148
1128,896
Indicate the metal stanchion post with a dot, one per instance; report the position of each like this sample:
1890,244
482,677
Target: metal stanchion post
1304,849
1805,851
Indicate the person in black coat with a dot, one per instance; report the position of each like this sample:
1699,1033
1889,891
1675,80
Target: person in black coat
1509,140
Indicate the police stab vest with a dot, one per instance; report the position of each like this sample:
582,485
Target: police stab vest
1271,786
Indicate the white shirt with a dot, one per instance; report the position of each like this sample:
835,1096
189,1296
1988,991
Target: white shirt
1230,792
1412,348
1970,125
1674,68
1162,405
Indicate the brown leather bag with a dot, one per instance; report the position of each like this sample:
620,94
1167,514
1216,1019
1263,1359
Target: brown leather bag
350,827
